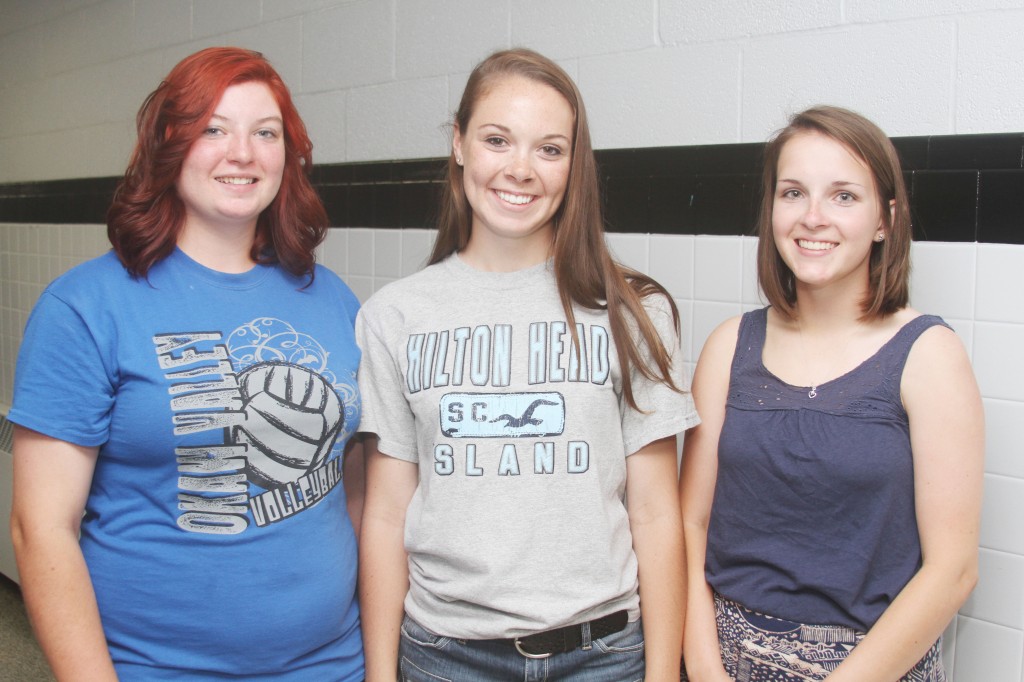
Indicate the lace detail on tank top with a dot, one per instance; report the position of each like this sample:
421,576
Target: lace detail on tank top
872,389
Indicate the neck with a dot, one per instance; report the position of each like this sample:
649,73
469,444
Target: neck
828,310
218,249
508,256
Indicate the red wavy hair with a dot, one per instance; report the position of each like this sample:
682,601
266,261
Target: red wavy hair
146,216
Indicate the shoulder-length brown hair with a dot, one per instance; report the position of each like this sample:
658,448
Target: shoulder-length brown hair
889,264
584,269
146,216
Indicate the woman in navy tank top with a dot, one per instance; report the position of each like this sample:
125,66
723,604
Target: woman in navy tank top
831,496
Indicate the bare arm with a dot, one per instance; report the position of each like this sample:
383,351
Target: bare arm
947,438
354,480
653,508
701,652
51,483
383,562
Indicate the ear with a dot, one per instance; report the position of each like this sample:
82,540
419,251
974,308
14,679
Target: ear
880,235
457,143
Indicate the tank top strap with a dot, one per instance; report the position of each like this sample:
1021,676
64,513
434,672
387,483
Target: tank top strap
750,341
891,358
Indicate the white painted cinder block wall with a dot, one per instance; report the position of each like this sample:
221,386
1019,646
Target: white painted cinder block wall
376,79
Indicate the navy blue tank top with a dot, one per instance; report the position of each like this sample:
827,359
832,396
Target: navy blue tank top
813,515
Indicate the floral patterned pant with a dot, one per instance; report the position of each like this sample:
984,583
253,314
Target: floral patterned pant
760,648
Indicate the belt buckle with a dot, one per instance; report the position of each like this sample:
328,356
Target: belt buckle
527,654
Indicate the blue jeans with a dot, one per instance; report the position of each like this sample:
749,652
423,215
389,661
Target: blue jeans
427,657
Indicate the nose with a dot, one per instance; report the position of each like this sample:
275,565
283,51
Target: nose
240,149
814,216
520,167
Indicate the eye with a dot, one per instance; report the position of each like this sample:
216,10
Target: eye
551,150
267,133
495,141
791,193
212,131
846,197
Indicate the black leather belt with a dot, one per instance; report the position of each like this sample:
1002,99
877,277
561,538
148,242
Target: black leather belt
562,640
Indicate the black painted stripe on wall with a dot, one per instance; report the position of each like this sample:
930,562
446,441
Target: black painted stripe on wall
964,188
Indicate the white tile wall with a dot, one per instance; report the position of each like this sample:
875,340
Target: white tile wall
781,74
223,16
1000,596
654,72
1000,269
630,250
438,43
988,45
353,44
661,102
987,652
935,265
1004,447
159,23
573,28
694,22
378,126
30,257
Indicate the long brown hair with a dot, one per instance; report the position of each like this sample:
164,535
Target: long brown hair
584,269
146,216
889,263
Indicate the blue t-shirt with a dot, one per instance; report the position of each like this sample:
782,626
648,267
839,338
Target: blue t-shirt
813,518
215,530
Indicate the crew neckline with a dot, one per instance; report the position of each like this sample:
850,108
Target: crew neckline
225,280
497,280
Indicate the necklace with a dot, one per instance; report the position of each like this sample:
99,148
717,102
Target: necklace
813,392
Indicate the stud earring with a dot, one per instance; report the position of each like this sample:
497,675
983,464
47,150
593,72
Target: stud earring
458,160
879,237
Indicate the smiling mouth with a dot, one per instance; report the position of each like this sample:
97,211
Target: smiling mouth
236,181
815,246
517,199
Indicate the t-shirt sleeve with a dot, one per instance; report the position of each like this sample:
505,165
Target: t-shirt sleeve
386,411
63,387
663,411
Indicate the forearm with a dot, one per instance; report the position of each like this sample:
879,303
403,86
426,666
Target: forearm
61,604
702,654
354,481
909,627
659,551
383,584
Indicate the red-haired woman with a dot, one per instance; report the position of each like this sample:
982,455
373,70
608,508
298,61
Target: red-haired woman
183,404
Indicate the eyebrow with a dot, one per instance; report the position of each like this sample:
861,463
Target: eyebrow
837,183
265,119
508,131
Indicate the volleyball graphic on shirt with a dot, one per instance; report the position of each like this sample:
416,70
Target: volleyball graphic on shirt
292,418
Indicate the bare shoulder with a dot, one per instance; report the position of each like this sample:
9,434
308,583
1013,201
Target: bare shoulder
715,360
723,338
937,343
938,368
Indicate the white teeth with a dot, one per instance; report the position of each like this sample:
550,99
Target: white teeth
517,199
814,246
237,181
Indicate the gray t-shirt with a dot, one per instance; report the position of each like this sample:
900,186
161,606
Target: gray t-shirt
518,524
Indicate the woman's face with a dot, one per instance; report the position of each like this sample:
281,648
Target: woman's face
233,171
825,213
516,150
